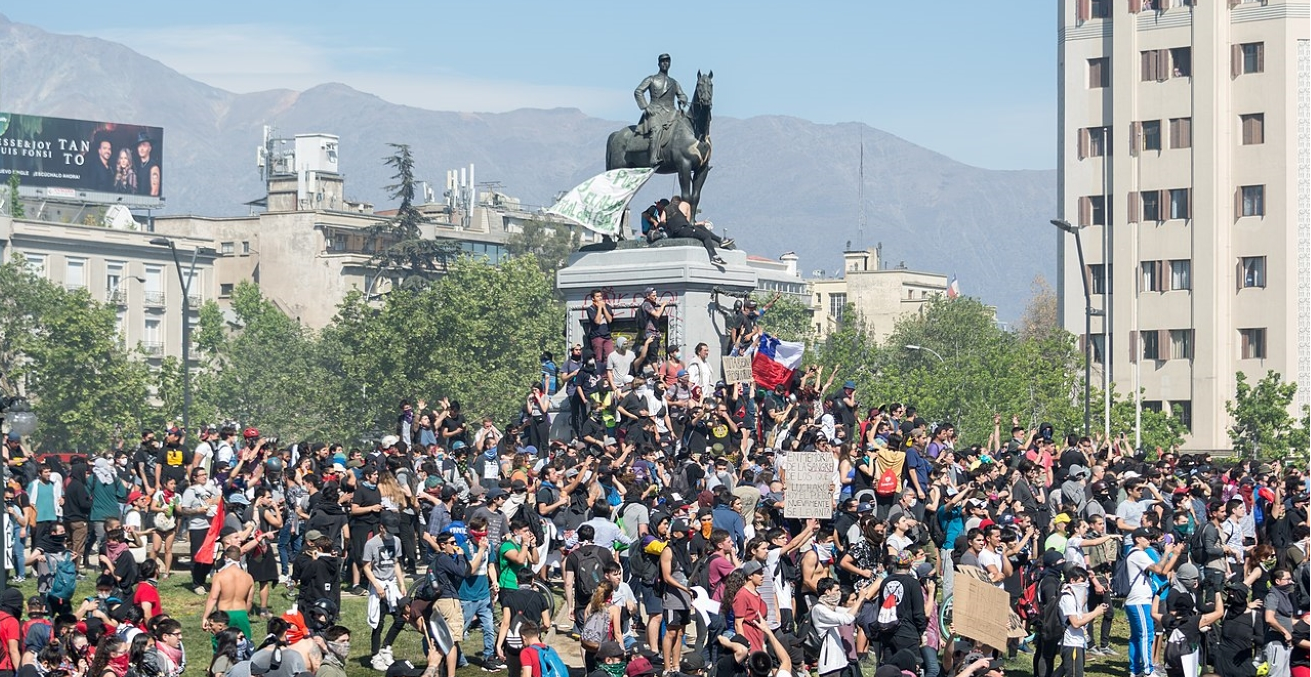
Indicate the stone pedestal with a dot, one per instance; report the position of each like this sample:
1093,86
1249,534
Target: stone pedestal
681,273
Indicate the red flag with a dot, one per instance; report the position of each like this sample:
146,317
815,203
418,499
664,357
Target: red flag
206,553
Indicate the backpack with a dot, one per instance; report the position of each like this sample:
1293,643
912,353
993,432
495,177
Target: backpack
1027,606
789,568
644,567
887,484
427,588
596,629
552,664
1197,550
1120,581
64,582
1176,647
1051,624
888,619
937,533
591,569
700,574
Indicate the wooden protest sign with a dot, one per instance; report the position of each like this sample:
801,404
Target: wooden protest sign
736,369
810,485
974,611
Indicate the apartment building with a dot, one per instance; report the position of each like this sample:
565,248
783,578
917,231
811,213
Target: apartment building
880,296
1185,162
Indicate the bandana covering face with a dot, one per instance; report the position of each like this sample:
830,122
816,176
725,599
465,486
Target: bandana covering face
831,598
614,669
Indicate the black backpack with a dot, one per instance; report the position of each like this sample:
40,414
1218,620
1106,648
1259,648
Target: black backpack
1197,551
1051,625
591,568
937,533
645,568
699,576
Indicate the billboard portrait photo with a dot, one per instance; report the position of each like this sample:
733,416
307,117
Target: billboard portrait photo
95,161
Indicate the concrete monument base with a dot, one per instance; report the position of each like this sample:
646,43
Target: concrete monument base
681,273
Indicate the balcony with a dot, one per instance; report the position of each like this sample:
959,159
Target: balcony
152,349
195,301
74,286
116,295
154,298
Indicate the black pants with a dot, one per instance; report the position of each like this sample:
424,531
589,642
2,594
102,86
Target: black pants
409,551
1044,656
199,571
577,413
708,239
1072,661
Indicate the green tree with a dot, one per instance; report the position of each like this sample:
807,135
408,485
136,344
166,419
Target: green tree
268,372
788,318
16,209
551,244
473,336
1261,422
1160,430
404,256
62,350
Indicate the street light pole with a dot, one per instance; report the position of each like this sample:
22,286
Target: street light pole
1087,323
184,281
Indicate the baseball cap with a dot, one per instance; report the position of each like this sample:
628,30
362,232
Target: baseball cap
1061,519
692,662
134,496
679,525
752,567
849,385
648,291
639,666
313,535
389,441
495,493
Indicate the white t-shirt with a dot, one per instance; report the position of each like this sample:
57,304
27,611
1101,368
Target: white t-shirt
899,542
204,456
991,558
782,588
1074,552
1140,588
1074,637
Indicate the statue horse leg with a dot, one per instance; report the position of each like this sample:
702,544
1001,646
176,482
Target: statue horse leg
698,180
685,184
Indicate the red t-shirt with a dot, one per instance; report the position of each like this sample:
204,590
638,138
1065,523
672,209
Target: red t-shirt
9,630
720,567
147,592
749,607
529,658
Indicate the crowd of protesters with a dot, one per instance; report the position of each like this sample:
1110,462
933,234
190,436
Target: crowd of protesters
653,496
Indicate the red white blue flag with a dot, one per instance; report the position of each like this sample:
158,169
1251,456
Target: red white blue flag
953,289
775,361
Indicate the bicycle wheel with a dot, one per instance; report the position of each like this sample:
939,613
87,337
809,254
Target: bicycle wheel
944,616
545,590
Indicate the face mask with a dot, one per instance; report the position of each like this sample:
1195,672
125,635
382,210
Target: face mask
245,648
369,485
614,669
1287,587
1268,564
825,552
120,663
831,598
102,595
339,649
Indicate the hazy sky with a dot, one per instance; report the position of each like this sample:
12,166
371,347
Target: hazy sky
973,80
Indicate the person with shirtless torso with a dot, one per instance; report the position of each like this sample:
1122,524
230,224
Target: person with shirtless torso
231,592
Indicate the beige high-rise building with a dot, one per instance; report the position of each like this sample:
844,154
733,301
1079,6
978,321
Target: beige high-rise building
1185,158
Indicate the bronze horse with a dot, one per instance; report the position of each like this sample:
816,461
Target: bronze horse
688,149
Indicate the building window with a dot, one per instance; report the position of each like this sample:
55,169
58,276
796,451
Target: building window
1183,411
1093,142
225,290
114,292
1151,276
35,264
338,243
1251,272
1181,274
1098,344
1151,135
1249,57
1181,132
1252,343
74,273
1100,9
1181,203
1253,128
1097,282
1092,210
837,303
245,248
152,338
1152,405
1099,72
1181,344
1253,201
227,248
1151,344
154,286
1181,62
1151,202
1155,65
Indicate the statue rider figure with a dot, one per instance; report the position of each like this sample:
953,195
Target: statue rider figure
660,114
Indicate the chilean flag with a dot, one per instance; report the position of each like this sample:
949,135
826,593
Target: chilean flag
775,361
953,289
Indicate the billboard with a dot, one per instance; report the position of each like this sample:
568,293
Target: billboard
83,160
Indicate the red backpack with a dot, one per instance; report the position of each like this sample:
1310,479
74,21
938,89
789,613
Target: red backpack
887,484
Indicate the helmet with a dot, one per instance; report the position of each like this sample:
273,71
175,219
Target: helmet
250,433
273,465
321,614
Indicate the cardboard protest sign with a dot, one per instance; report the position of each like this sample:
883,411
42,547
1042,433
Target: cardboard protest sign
809,485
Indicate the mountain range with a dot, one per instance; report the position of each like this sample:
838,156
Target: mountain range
779,183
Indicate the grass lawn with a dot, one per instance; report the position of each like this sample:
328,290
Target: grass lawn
187,607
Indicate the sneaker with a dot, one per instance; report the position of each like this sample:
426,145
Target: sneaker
359,591
718,261
493,664
200,590
1107,651
19,579
1093,651
380,663
727,243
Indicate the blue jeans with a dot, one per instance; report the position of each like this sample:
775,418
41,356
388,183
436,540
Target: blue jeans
20,569
481,608
289,545
931,666
1142,629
